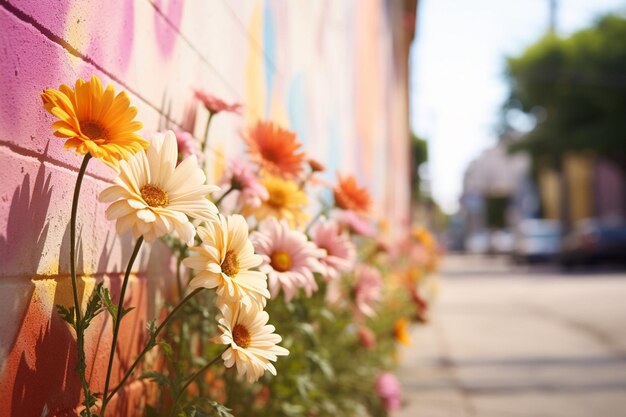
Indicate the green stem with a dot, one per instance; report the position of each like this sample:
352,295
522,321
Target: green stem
193,378
315,219
205,140
78,324
219,200
117,322
151,343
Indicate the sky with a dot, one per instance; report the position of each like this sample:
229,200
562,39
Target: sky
457,74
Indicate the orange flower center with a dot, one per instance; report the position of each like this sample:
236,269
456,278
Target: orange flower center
230,265
154,196
241,336
93,130
281,261
277,198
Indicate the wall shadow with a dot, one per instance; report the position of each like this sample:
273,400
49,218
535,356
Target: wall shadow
22,243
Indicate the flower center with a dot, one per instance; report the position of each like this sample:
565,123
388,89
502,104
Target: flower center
241,336
236,183
93,130
281,261
277,198
230,265
154,196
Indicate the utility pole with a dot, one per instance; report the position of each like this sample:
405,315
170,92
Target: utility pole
553,5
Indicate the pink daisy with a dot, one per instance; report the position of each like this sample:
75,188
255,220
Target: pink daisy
340,251
240,177
356,223
289,259
216,105
388,390
368,290
187,146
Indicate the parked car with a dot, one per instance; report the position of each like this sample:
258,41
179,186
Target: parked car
537,240
594,241
477,242
502,242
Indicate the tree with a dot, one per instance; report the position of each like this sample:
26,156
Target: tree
419,155
576,89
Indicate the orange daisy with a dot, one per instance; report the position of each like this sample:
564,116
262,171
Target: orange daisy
349,196
275,149
401,331
95,120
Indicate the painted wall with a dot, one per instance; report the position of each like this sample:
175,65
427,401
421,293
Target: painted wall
327,69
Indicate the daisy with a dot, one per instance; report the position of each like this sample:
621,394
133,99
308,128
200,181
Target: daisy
389,391
368,290
340,251
349,196
95,120
253,343
275,149
401,331
315,165
285,201
289,259
224,260
153,197
239,177
356,223
216,105
187,146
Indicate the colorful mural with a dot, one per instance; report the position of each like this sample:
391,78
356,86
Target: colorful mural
326,69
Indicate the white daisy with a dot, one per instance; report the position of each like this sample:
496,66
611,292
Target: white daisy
224,260
253,343
153,197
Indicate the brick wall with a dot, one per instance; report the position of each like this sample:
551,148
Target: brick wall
326,69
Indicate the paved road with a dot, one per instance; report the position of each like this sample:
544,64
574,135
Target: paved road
519,342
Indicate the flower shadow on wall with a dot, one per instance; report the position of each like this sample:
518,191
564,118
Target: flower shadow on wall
22,243
43,377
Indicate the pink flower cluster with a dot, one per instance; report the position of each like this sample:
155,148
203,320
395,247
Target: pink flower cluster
368,290
388,390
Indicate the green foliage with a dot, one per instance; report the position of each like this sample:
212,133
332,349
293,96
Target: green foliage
419,155
94,307
328,372
577,88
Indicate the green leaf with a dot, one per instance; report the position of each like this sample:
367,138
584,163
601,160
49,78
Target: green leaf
94,306
67,314
125,311
220,409
105,298
167,349
157,377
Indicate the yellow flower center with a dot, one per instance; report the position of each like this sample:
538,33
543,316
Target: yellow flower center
230,265
93,130
277,198
154,196
241,336
281,261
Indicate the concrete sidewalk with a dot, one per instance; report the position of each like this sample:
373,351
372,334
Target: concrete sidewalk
509,341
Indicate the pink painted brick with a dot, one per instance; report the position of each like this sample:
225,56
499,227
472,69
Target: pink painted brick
34,63
34,218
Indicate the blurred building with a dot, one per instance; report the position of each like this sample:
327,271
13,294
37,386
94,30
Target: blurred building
586,187
497,191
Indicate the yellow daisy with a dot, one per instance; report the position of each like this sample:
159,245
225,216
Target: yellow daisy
286,201
95,120
253,343
154,197
224,260
401,331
